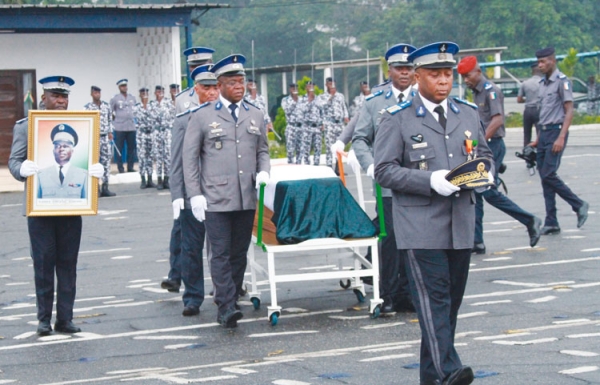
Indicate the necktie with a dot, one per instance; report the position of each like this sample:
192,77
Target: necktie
233,107
442,119
61,176
400,97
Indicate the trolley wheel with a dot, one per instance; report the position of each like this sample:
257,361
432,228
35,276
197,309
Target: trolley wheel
274,318
359,295
376,312
255,303
346,285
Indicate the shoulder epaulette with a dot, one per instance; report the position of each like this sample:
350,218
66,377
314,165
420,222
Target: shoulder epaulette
184,113
487,86
199,107
181,93
383,84
562,76
21,120
459,100
373,95
251,104
399,107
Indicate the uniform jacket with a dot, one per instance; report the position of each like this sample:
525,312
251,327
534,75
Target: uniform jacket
408,135
553,94
122,107
221,157
259,103
490,102
74,185
366,126
106,125
18,154
334,109
143,118
311,113
291,110
186,100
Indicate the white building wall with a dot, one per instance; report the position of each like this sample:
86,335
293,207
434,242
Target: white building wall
96,59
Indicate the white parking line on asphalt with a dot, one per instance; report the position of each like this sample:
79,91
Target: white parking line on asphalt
385,358
118,301
104,250
140,280
122,257
277,334
581,369
501,336
377,350
381,326
474,314
349,318
241,371
140,285
560,262
21,258
588,250
491,302
163,338
579,353
542,299
513,283
530,342
584,335
496,259
289,382
571,321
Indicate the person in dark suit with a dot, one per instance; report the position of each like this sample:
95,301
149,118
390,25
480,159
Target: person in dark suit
63,180
417,142
54,239
225,158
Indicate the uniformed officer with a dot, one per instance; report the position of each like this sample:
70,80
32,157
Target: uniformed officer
184,101
106,135
173,91
192,230
358,101
162,115
416,144
556,113
225,157
490,102
394,283
253,97
289,104
144,138
528,94
312,126
335,115
122,105
54,240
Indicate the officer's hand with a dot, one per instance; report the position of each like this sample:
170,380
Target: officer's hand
262,177
178,205
199,206
558,145
96,170
28,168
533,144
338,146
371,171
439,183
491,178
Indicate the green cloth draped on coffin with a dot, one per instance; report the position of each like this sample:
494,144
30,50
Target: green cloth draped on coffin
318,208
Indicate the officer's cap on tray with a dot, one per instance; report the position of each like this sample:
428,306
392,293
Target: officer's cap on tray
203,74
471,174
436,55
57,84
230,66
398,55
198,55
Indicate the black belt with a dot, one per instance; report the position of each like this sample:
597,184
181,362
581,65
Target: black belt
314,125
295,124
551,126
336,121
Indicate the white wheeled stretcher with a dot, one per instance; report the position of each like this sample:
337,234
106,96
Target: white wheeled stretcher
266,240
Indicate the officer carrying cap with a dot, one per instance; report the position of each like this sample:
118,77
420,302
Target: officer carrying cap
122,82
544,52
436,55
230,65
64,133
466,65
203,75
471,174
197,55
398,55
57,84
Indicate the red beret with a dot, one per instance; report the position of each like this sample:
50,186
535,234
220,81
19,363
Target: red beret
466,65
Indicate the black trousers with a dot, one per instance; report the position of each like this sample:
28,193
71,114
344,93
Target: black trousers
54,250
531,115
229,234
392,270
122,137
192,269
175,252
438,279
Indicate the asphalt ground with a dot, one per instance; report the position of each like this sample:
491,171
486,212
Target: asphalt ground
530,316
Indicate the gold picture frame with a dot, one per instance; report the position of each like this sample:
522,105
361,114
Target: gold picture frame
60,140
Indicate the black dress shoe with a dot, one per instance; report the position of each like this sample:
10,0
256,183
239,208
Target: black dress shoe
66,327
387,308
535,231
44,328
582,214
550,230
230,318
404,305
189,311
478,248
462,376
170,285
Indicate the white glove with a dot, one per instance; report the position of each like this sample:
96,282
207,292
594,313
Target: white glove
28,168
178,205
96,170
439,183
371,171
262,177
352,161
199,207
491,178
338,146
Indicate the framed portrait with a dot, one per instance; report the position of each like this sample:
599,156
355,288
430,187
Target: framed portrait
64,144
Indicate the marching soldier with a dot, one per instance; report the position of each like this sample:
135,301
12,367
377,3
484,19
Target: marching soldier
335,115
294,123
358,101
106,136
144,138
312,126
